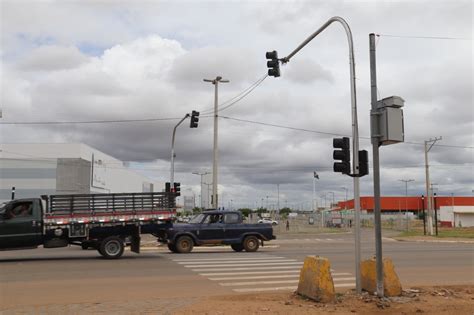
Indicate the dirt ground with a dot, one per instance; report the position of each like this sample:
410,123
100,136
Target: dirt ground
457,300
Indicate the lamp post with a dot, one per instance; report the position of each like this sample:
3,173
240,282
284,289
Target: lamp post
173,155
201,174
333,200
345,203
216,82
406,181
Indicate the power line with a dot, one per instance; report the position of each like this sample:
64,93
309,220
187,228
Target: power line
424,37
330,133
230,102
85,121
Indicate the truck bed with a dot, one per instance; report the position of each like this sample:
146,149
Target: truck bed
109,208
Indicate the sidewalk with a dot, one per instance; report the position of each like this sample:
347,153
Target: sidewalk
431,239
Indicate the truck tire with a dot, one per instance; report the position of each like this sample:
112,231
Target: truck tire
172,248
111,247
184,244
251,244
237,247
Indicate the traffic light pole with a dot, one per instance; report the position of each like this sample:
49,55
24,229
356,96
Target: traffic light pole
355,133
172,151
376,167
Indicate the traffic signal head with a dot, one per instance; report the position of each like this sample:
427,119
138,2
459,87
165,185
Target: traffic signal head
363,163
344,155
167,187
194,119
177,189
273,64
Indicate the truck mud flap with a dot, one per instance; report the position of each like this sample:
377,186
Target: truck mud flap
135,244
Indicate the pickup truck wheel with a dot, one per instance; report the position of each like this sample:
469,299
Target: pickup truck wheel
184,244
111,247
251,244
237,247
172,248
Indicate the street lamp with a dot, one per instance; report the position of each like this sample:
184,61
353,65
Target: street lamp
333,200
406,181
216,82
201,174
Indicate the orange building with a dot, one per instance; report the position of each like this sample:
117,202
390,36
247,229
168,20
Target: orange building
411,204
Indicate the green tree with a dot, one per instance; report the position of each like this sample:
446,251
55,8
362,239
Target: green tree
245,211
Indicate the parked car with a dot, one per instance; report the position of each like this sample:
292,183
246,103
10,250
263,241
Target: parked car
268,221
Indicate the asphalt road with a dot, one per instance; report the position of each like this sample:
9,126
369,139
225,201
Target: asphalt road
72,276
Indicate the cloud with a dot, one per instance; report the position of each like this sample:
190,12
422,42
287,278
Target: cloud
306,71
52,57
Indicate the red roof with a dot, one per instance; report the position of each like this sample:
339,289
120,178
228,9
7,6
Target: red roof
401,203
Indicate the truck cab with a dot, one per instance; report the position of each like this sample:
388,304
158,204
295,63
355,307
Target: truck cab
21,224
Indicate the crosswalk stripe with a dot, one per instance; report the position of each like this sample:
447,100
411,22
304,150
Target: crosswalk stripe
245,264
255,277
342,285
235,261
250,273
235,284
246,268
229,258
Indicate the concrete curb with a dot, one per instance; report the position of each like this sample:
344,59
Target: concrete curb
433,241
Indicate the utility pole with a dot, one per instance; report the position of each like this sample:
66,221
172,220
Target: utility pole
201,174
173,155
427,171
216,82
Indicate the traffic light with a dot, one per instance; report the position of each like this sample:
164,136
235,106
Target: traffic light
167,187
363,163
177,189
344,155
194,119
273,64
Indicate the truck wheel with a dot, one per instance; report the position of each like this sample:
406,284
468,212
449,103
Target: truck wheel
111,247
237,247
184,244
172,248
251,244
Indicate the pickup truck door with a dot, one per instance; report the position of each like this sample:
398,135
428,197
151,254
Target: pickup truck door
212,229
234,226
20,224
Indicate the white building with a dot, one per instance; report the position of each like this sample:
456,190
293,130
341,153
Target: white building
65,168
457,216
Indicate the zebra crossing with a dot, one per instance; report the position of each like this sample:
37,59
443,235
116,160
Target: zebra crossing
245,272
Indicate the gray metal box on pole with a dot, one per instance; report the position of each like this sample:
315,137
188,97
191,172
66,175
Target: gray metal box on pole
391,128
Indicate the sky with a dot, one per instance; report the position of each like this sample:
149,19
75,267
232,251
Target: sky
76,61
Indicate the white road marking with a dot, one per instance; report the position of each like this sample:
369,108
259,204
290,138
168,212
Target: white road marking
245,264
342,285
234,284
246,268
227,258
235,261
255,277
250,273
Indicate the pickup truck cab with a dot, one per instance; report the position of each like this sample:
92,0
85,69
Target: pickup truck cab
217,228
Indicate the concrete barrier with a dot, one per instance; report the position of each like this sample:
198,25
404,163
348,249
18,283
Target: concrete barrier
316,280
391,283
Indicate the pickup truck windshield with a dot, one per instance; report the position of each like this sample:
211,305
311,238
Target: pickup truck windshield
197,219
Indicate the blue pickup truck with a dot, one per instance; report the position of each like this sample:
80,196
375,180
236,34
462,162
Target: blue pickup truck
216,228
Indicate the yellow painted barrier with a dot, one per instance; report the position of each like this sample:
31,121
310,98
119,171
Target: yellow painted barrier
316,280
391,283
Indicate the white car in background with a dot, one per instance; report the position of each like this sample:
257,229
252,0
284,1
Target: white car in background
268,221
